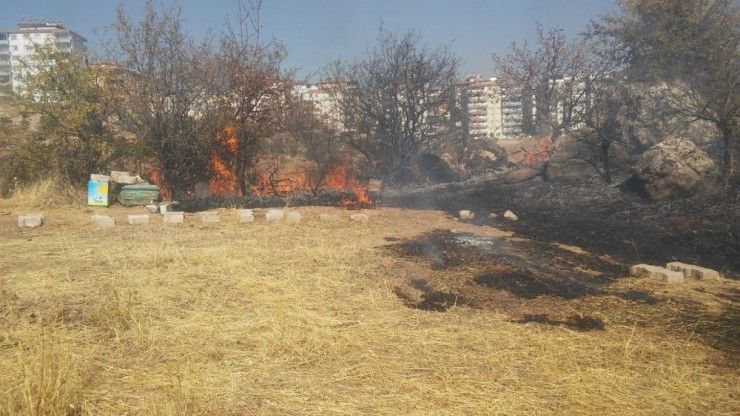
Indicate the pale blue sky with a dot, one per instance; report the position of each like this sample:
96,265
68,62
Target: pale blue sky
318,31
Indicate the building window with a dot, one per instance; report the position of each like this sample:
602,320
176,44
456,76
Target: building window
15,48
12,37
3,36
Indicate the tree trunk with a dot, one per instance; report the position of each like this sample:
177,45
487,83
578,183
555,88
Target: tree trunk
730,172
605,144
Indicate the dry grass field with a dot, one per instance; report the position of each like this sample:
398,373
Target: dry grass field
304,319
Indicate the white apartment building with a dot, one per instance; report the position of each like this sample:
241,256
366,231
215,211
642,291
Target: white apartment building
20,43
324,97
489,110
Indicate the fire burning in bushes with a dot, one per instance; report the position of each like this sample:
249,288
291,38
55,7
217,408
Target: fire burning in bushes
271,181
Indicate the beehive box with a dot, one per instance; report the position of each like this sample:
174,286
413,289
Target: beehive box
142,194
98,193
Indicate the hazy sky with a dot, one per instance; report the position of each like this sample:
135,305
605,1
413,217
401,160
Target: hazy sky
318,31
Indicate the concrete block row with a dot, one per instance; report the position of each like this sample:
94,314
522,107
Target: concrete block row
674,272
175,217
692,271
646,270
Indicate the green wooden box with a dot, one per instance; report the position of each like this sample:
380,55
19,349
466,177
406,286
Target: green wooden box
143,194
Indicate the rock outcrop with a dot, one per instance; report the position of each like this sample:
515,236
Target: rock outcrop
674,168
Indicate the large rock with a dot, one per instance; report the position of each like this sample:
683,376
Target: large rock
675,168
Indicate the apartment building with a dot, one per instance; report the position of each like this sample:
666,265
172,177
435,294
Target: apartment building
322,98
20,43
477,105
490,110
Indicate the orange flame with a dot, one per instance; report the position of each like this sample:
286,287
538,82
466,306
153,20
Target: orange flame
155,177
271,181
337,179
225,182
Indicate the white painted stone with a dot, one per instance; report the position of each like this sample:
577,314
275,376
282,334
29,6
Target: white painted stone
31,220
173,218
274,215
510,216
359,217
244,215
492,216
293,217
209,216
138,219
104,221
466,215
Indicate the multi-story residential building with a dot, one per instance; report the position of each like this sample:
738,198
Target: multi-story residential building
325,97
489,109
477,99
573,100
510,118
20,43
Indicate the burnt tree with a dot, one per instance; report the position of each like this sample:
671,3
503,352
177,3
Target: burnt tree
396,101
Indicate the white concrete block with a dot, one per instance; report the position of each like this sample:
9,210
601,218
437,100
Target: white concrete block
209,216
359,217
646,270
244,215
138,219
274,215
692,271
31,220
104,221
293,217
328,217
173,217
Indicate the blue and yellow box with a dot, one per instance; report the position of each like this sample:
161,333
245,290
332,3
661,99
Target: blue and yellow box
98,193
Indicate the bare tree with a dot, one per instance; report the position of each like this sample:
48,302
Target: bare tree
164,93
553,78
317,140
397,100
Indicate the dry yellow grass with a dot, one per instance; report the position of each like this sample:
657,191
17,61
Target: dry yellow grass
279,319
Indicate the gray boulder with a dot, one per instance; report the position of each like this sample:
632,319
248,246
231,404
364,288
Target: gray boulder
674,168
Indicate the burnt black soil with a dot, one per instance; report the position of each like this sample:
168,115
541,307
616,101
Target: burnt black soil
567,263
597,217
